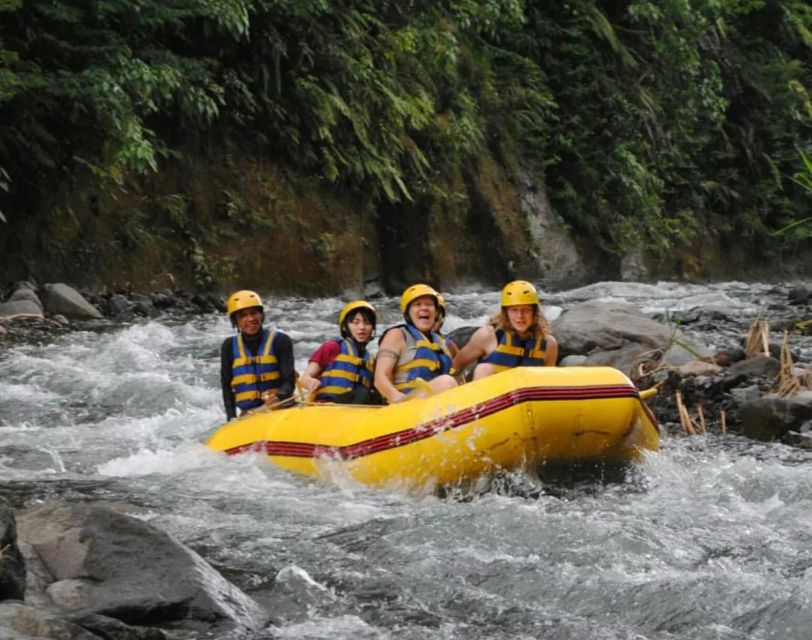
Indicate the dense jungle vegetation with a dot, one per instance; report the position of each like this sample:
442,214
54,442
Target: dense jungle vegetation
651,121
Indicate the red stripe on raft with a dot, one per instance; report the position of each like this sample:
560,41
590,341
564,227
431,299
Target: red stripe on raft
447,423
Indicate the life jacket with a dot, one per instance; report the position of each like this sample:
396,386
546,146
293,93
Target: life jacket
425,356
351,367
253,375
511,351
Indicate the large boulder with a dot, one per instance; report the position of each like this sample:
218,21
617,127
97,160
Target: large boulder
772,417
17,308
12,564
24,293
23,302
89,559
67,301
617,334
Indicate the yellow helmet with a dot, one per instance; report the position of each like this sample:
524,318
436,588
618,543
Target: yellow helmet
519,292
354,306
416,291
243,300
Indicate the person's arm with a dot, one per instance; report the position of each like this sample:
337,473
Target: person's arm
481,344
321,357
283,349
310,380
551,354
226,363
391,347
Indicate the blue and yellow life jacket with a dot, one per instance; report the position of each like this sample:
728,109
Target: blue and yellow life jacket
511,351
425,356
350,367
253,375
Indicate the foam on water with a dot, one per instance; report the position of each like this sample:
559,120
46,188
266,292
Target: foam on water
162,461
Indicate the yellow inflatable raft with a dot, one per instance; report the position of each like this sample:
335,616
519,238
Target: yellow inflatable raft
519,418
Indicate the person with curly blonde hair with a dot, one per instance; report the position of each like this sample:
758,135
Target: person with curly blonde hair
518,336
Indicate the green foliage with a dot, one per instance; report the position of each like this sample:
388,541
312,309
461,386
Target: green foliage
322,246
648,120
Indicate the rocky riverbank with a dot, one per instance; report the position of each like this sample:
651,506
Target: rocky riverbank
34,313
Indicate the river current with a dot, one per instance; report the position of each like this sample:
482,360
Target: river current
709,538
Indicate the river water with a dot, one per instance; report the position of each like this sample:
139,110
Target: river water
709,538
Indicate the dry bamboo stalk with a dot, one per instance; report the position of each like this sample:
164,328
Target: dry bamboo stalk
786,383
723,420
701,413
758,339
765,338
684,418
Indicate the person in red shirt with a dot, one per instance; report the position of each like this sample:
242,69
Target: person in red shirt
341,370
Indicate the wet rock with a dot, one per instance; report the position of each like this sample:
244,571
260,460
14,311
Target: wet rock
772,417
118,304
164,299
95,560
12,564
758,367
705,315
800,440
800,295
745,394
572,361
802,437
60,298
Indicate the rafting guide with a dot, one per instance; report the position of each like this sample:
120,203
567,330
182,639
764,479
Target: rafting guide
256,365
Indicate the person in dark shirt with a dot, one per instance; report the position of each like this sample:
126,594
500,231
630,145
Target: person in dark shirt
256,365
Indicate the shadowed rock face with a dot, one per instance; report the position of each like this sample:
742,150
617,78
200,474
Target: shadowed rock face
95,560
12,564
